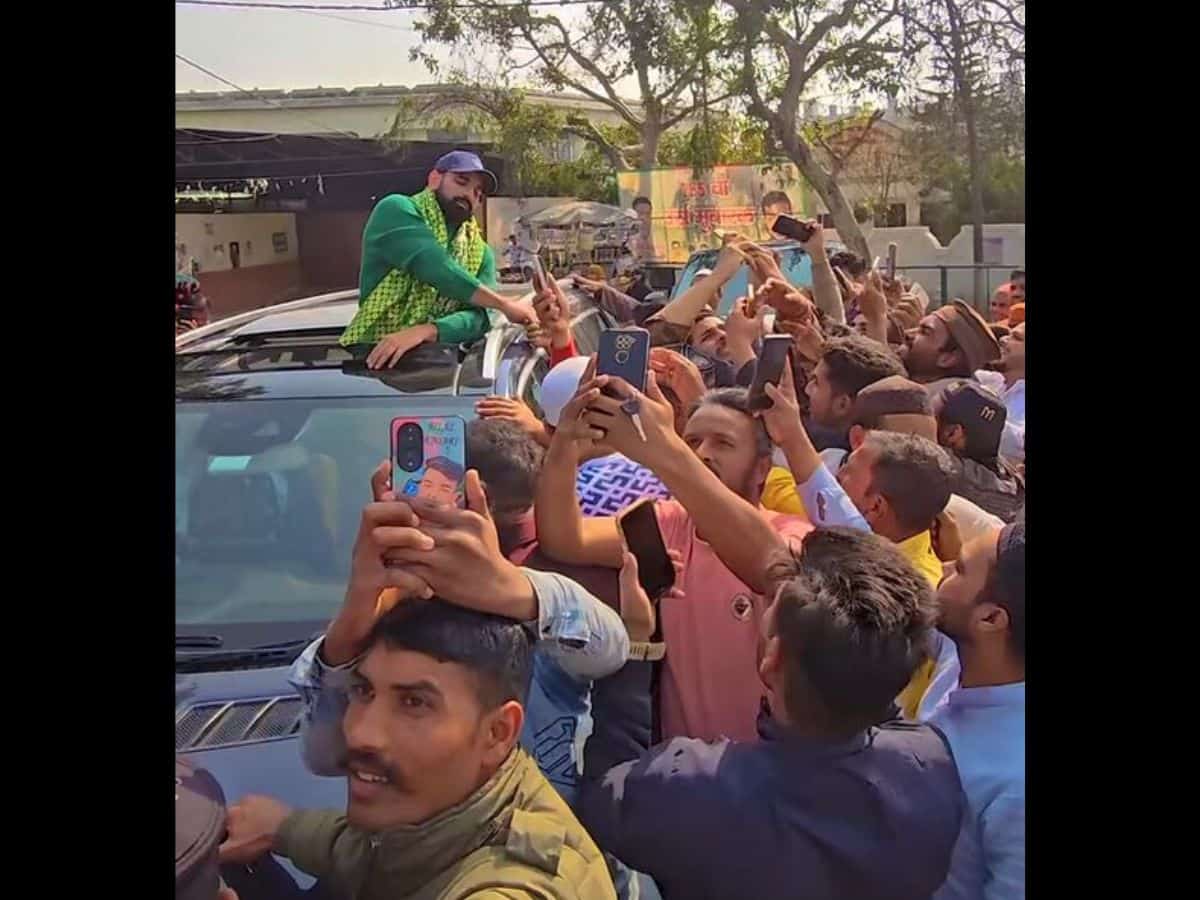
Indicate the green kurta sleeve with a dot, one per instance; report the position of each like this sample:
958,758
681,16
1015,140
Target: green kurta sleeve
469,325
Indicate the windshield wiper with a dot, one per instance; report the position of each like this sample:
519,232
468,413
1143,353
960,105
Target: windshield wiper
198,640
193,657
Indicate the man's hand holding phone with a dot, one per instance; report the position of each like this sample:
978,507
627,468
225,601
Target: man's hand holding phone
815,243
782,416
464,553
637,610
387,526
573,428
554,313
604,414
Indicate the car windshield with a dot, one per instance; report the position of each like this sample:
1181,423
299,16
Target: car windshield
795,264
268,499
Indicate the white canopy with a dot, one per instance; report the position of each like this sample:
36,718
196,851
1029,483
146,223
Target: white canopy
579,212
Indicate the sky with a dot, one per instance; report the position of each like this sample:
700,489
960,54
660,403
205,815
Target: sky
267,48
282,48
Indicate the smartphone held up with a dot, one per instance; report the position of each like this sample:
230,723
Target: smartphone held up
769,368
639,529
625,352
429,459
791,227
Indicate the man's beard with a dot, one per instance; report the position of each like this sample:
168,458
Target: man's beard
747,488
454,211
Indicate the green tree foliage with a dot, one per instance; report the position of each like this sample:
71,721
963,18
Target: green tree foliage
969,138
528,136
778,50
598,50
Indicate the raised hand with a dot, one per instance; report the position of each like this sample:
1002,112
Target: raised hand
464,553
782,417
744,325
677,372
605,413
512,410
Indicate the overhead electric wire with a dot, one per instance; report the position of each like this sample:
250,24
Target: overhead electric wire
360,7
269,101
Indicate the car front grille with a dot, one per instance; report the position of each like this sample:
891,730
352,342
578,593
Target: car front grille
244,721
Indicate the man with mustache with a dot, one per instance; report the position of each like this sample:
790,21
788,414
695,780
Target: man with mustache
427,274
442,802
948,345
715,472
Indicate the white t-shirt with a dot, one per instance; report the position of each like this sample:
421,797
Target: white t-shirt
1012,441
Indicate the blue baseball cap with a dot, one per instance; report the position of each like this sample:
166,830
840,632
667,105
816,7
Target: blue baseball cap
465,161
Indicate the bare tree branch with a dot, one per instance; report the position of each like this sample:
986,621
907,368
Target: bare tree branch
817,33
1010,12
609,97
581,127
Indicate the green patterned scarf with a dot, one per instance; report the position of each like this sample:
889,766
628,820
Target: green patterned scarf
399,300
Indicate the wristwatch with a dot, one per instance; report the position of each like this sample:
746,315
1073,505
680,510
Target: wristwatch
644,650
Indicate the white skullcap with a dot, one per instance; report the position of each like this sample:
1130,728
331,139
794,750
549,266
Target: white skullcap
560,385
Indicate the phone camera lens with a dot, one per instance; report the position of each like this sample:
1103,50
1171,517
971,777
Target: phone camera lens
410,447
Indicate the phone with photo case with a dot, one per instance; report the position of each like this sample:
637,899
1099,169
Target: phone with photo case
429,458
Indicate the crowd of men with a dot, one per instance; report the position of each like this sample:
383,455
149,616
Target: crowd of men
828,703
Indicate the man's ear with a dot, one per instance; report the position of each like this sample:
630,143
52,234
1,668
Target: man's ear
842,404
950,359
503,731
858,434
954,437
876,508
434,181
990,618
770,667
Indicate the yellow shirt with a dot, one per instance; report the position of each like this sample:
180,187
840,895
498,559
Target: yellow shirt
918,550
779,493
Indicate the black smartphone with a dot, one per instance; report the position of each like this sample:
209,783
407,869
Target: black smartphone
891,262
791,227
769,368
639,528
625,352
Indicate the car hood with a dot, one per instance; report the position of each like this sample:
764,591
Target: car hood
260,764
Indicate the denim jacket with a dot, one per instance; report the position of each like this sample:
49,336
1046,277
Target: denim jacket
579,640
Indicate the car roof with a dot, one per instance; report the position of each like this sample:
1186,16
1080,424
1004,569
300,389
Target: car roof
291,350
318,318
322,312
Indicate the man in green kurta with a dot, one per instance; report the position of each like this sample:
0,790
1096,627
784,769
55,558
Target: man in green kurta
427,273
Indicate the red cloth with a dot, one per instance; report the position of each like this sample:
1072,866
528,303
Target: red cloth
557,354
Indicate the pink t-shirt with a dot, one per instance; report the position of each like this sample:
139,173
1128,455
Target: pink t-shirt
710,686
